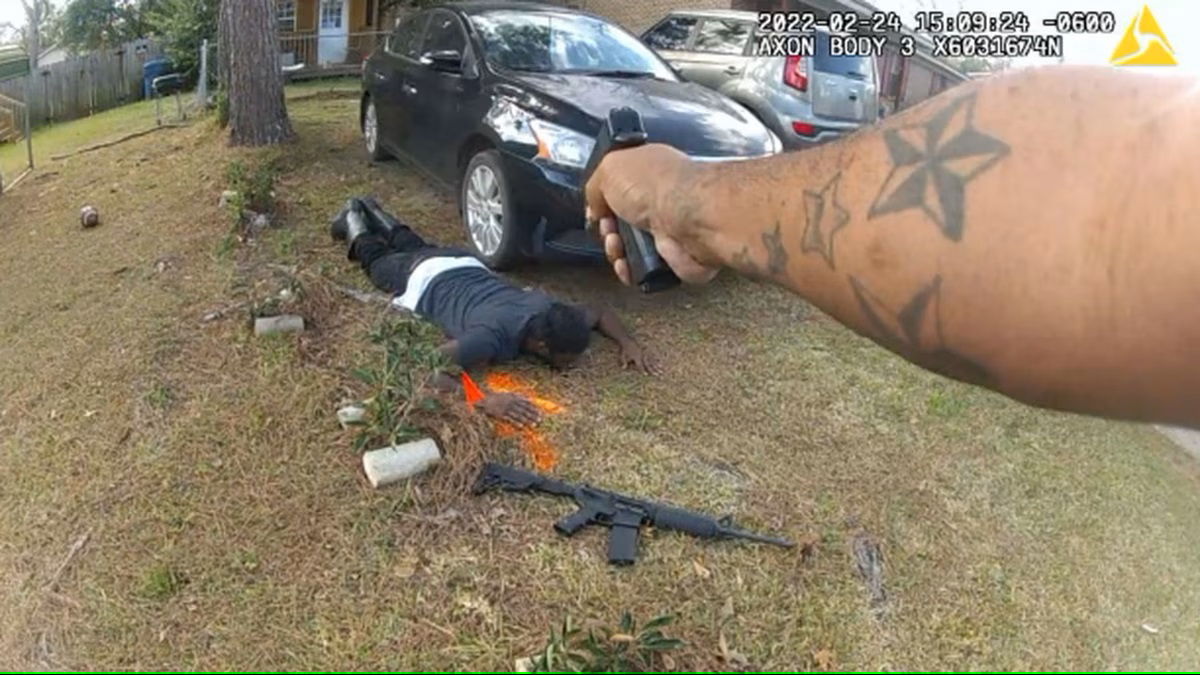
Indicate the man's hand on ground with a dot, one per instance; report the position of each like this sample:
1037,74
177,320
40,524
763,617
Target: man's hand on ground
512,408
632,354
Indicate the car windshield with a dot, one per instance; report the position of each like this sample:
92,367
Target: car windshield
563,42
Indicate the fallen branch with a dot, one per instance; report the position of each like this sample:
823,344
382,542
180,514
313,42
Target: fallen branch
127,137
328,94
441,629
869,561
221,313
363,296
74,551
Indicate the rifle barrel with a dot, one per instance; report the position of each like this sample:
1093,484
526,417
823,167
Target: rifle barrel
761,538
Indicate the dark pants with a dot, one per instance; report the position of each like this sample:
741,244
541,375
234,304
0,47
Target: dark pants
389,259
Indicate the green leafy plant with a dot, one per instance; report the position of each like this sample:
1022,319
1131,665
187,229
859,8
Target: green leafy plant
398,383
222,101
253,188
625,649
162,581
160,396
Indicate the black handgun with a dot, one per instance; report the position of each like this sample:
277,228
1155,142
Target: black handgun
623,129
623,515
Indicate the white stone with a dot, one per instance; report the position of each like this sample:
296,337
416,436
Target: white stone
397,462
349,415
284,323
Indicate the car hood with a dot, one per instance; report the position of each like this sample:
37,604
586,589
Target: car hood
696,120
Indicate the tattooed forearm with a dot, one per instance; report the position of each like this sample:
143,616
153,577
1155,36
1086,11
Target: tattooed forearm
777,257
933,161
915,331
823,217
744,265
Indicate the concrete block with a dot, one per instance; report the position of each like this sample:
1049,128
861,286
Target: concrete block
272,325
397,462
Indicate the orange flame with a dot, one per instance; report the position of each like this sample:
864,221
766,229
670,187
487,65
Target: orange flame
540,451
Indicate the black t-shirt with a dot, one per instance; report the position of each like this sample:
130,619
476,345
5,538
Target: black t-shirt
484,313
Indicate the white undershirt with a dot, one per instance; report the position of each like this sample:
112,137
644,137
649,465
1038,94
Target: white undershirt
424,273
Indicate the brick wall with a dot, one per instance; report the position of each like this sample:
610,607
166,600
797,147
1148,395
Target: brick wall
638,15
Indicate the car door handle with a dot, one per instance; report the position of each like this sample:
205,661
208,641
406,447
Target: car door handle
732,70
409,89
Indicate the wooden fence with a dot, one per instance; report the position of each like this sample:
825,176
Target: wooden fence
86,84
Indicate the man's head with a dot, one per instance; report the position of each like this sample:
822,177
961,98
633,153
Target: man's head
558,335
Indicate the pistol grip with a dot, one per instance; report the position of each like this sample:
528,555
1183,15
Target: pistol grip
647,269
572,523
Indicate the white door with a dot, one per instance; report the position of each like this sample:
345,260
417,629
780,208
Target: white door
333,30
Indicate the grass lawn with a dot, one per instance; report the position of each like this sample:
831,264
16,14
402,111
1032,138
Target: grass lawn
228,525
60,138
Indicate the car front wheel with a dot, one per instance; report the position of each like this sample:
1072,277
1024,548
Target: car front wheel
489,212
370,129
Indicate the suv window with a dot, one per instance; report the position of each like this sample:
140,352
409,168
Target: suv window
407,36
672,33
857,67
444,34
722,37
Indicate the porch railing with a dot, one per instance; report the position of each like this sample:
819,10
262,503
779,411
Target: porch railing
322,52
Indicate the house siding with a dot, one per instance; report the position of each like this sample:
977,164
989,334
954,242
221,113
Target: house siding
360,15
306,15
360,19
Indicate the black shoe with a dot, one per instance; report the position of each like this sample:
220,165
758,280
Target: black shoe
380,218
338,229
349,224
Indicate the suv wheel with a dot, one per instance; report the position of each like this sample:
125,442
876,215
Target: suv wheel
370,129
489,213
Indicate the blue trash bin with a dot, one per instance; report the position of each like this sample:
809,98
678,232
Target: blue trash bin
152,69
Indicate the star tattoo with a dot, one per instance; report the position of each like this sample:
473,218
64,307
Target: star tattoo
777,257
823,217
932,163
915,331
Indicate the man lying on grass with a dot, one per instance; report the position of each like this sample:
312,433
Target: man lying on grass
486,319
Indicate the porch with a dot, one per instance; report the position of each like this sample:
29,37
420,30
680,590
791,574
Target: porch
314,54
326,37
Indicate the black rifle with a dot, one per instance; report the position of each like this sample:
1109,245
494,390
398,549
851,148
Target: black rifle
624,515
623,129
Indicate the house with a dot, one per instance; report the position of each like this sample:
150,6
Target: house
327,35
52,55
904,81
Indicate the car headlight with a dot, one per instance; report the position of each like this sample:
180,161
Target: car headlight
554,143
561,145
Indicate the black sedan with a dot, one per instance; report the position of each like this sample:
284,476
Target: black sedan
502,101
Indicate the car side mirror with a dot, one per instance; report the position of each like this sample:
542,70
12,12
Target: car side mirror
445,60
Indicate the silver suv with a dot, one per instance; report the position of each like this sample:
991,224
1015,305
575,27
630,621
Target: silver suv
805,101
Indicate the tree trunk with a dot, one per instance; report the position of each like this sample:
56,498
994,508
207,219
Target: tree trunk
257,111
35,11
